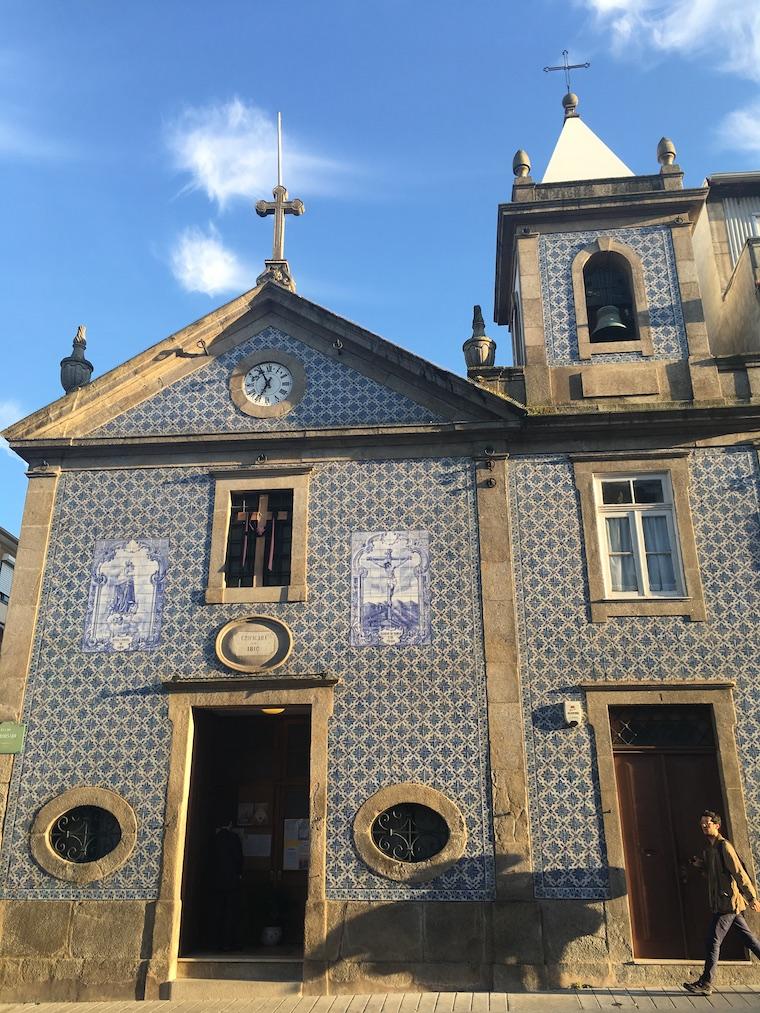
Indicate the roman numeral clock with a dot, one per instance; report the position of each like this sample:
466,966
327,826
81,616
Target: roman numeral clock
268,383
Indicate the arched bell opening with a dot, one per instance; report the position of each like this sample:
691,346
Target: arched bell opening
610,305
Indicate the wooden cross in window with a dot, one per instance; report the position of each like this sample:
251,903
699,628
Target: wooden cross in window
259,519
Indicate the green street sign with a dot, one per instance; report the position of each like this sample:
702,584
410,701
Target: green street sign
11,737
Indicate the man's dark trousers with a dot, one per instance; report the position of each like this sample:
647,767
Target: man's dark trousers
719,926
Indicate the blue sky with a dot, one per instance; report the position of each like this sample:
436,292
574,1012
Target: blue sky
135,138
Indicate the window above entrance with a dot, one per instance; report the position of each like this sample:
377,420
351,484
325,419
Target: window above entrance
259,539
641,553
638,536
258,536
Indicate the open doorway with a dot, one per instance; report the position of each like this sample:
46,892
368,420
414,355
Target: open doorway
247,843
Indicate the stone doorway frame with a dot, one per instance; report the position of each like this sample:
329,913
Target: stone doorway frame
599,698
241,695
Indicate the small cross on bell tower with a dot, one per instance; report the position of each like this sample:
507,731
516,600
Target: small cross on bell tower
277,269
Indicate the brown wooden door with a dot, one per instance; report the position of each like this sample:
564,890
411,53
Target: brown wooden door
663,787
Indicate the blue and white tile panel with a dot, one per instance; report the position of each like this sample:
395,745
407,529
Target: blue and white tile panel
560,648
654,245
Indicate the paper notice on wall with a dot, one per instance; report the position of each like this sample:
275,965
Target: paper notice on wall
295,845
257,845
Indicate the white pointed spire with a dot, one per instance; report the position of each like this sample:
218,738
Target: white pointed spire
579,153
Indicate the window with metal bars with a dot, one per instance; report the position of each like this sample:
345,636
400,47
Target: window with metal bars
260,539
662,726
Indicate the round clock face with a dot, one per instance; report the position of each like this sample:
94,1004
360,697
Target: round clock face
268,383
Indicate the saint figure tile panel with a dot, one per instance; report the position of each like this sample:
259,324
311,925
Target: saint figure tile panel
126,594
390,594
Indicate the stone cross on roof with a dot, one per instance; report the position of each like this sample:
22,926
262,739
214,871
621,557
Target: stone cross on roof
277,269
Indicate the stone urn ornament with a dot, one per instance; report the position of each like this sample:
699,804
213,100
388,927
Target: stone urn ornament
76,371
479,350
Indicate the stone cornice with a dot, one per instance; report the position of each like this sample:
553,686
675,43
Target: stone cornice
552,430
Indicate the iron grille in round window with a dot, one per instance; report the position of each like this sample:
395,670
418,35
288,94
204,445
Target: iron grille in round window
85,834
410,832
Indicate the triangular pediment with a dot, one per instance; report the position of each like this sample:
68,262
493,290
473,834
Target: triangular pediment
184,385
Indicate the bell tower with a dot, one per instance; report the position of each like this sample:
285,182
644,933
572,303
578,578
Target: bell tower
596,279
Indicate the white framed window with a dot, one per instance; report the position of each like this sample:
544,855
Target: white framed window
638,536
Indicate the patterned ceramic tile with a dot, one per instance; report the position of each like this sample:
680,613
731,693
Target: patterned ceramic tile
401,713
390,581
126,594
336,395
654,245
560,648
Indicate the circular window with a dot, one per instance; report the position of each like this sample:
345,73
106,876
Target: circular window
410,832
85,834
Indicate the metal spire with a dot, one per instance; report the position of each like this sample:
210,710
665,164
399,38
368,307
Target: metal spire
277,269
570,101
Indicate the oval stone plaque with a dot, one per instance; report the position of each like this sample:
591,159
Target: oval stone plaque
254,644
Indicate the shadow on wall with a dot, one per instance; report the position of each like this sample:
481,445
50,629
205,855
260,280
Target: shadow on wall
513,943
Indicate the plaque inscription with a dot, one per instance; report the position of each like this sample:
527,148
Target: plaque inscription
254,644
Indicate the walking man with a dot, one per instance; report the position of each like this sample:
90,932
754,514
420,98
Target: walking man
730,891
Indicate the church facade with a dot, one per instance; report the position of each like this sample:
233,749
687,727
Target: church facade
341,673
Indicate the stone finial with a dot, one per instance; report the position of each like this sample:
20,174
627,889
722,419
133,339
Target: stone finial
76,371
666,152
479,350
570,104
521,164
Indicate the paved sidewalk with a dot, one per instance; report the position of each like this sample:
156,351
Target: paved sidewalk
744,999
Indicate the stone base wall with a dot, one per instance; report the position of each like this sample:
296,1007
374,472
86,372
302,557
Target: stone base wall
98,950
71,950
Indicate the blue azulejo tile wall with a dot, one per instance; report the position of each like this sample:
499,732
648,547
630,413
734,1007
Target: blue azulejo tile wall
413,711
336,395
560,648
654,245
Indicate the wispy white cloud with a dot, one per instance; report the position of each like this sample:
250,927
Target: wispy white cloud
740,130
724,33
202,263
10,411
727,32
20,141
229,150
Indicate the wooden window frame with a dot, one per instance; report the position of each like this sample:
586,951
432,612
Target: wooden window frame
636,512
690,602
588,348
294,478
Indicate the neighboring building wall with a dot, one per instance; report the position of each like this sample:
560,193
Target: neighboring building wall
727,254
8,549
561,648
742,222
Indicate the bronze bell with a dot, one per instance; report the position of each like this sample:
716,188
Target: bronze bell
609,326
